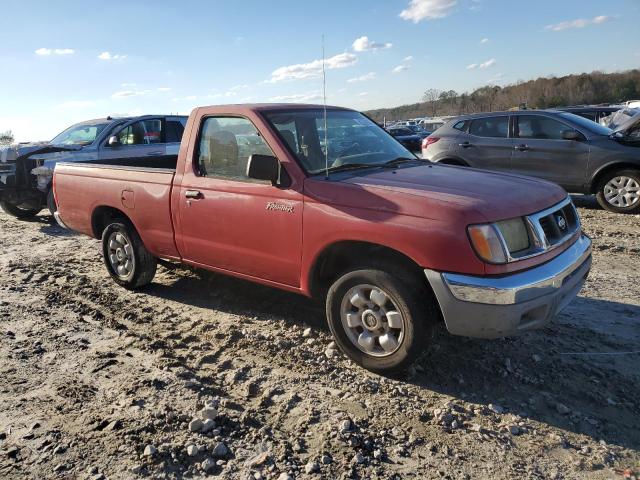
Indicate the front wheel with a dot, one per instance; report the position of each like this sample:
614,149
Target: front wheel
380,320
17,211
619,191
127,260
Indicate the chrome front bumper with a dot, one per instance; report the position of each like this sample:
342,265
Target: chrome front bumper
490,307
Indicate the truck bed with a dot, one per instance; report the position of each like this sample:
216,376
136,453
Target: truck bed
143,194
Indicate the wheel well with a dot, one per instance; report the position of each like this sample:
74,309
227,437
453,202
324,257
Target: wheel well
452,161
608,169
102,217
342,256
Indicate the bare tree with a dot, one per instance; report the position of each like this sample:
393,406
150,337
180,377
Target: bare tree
431,96
6,138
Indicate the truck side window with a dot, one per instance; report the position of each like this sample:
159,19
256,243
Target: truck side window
144,132
226,143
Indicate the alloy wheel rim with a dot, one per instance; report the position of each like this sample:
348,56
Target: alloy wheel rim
372,320
622,191
120,253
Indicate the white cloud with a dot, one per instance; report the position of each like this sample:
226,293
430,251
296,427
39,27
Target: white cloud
298,97
77,104
111,56
363,94
54,51
363,44
484,40
419,10
408,59
362,78
400,68
579,23
489,63
129,93
312,69
164,89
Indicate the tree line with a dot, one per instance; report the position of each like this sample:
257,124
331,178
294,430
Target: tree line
544,92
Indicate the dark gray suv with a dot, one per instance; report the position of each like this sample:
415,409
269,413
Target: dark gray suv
578,154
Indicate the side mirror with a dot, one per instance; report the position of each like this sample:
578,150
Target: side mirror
113,141
263,167
572,135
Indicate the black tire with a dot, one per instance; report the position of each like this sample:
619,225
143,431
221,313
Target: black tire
602,189
18,212
144,264
414,302
51,202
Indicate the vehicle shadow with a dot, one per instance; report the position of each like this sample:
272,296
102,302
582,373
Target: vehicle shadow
535,375
586,201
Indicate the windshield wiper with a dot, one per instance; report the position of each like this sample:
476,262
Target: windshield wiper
352,166
398,161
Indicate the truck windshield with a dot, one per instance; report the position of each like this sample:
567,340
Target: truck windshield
351,139
83,134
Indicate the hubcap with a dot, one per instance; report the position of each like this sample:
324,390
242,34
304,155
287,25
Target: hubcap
120,253
372,320
622,191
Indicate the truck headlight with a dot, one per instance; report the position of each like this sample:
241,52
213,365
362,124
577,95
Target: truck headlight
487,244
515,234
499,242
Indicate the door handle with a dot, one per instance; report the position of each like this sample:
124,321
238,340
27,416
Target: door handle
465,145
193,194
522,148
155,153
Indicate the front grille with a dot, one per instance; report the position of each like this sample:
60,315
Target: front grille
555,225
548,229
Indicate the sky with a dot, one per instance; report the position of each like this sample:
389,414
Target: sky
68,61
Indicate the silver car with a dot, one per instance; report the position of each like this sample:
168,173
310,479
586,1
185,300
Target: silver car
578,154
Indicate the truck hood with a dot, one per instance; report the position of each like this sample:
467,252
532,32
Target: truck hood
13,153
490,196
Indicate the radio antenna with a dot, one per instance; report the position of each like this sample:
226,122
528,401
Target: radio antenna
324,97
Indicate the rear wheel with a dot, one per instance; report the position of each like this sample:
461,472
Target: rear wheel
619,191
380,320
127,260
17,211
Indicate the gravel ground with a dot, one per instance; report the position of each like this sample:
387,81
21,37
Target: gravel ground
204,375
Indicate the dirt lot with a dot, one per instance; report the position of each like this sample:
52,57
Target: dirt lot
98,382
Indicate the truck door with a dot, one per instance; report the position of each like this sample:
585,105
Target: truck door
229,221
140,143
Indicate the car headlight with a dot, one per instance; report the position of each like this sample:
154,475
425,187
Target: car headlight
499,242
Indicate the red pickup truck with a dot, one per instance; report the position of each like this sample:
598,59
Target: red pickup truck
333,207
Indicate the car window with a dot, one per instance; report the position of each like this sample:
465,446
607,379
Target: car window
143,132
226,143
537,126
495,127
175,130
461,125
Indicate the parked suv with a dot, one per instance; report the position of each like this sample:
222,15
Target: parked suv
578,154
